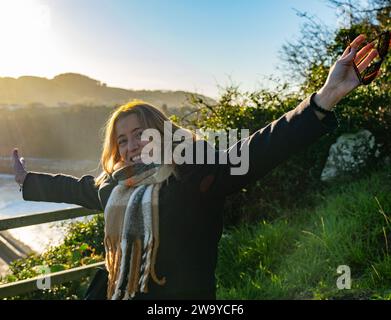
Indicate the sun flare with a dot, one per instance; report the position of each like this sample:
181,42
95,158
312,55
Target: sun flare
25,31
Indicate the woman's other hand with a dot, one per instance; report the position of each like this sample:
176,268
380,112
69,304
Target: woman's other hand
342,77
19,167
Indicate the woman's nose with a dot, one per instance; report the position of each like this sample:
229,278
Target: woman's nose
132,145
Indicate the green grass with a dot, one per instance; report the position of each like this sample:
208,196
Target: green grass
297,255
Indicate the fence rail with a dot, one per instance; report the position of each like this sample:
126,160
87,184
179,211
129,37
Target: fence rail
44,217
30,285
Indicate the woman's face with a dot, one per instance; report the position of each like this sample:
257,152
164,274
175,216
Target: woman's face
128,133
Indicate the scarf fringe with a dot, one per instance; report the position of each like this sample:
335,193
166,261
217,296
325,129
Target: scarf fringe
133,275
155,231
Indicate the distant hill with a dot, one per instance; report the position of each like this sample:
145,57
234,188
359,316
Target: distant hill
72,88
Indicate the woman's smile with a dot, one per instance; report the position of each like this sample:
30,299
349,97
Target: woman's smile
136,159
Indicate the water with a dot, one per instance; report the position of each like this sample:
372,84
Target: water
38,237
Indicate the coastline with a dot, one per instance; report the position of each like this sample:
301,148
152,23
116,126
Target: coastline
11,249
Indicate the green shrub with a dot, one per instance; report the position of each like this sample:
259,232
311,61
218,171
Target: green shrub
290,182
83,245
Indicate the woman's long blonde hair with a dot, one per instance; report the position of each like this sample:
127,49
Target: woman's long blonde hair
149,117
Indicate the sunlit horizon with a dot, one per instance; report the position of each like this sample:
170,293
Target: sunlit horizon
178,45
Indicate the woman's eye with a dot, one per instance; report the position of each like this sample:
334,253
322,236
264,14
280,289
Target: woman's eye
121,142
138,134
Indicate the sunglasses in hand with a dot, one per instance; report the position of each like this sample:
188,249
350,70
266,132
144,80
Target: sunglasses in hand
369,74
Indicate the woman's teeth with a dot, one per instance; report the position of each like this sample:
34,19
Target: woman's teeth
136,158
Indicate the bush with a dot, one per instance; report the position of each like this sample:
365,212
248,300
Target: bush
83,245
289,183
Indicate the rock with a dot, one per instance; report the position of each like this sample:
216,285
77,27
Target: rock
349,154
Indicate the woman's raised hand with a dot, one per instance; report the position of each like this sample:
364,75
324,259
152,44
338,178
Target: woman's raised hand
342,77
19,167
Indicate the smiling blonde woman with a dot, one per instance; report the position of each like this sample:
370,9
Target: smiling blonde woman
163,222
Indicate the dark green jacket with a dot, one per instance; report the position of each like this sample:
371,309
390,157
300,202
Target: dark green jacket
191,208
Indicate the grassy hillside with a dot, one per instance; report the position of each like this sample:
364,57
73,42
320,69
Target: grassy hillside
72,88
297,255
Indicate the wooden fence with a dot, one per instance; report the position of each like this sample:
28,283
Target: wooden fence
30,285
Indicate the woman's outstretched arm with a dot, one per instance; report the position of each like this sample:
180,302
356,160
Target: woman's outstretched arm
59,188
266,148
295,130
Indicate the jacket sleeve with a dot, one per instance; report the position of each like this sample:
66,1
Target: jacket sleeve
270,146
61,188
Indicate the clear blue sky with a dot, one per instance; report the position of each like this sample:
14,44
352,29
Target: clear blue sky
154,44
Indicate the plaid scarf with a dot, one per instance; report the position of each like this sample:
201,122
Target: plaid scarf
132,229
